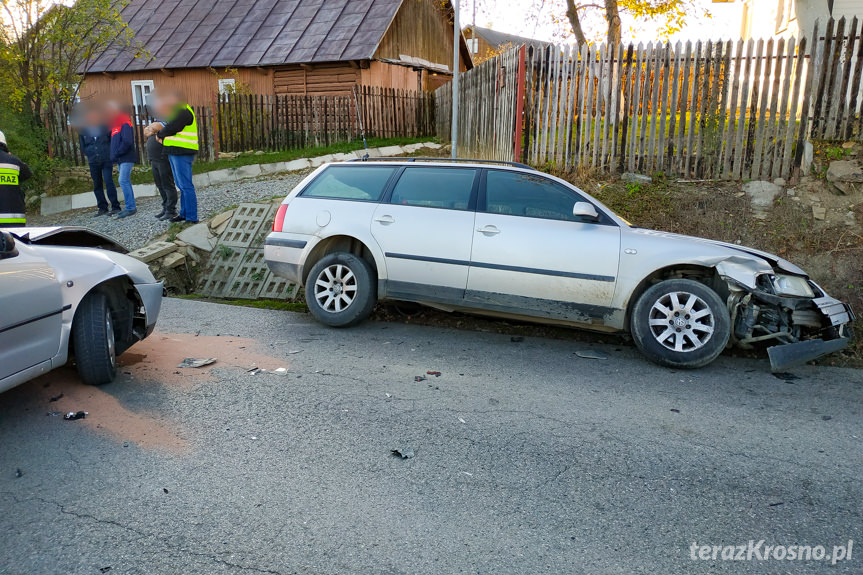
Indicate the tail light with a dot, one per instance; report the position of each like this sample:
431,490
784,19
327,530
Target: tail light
279,222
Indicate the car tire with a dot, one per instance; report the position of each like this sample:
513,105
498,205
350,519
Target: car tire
94,339
680,324
341,290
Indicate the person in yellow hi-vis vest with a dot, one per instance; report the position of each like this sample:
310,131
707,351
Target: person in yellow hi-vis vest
13,172
180,138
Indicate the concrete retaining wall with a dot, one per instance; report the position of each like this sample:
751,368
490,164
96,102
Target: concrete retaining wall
58,204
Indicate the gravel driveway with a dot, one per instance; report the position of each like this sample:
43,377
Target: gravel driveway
140,229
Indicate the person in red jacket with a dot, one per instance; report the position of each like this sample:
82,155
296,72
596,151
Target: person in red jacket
124,155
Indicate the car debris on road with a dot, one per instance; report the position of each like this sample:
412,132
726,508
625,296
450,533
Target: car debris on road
196,362
404,452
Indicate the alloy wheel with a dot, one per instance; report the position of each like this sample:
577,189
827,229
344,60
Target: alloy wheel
335,288
681,321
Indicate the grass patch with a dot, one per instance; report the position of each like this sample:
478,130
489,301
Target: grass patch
71,186
278,305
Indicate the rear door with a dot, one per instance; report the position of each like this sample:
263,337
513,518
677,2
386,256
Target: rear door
532,256
31,312
425,229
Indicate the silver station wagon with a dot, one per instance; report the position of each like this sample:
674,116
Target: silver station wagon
506,240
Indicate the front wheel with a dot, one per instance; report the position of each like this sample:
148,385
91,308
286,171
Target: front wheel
681,324
341,290
93,336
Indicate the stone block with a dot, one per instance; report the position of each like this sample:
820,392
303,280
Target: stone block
154,251
55,205
295,165
87,200
391,151
173,260
250,171
201,180
221,219
220,177
319,160
198,236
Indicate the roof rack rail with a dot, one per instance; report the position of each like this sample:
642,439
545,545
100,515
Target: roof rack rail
465,160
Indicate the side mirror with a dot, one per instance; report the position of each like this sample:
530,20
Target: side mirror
7,246
585,210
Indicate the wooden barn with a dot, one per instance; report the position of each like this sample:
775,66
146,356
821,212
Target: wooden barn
485,43
271,47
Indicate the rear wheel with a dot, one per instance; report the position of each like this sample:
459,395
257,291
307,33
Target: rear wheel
341,290
680,323
94,339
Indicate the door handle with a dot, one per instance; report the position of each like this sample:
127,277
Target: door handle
489,230
385,220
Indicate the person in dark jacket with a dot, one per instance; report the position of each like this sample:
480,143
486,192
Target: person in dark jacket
124,155
162,175
95,141
180,137
13,172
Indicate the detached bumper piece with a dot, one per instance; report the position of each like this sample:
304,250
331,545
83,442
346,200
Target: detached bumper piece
792,354
837,314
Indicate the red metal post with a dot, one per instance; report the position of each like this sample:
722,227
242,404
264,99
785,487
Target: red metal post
215,120
519,105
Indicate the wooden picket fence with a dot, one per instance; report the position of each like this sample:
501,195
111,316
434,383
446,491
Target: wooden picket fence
282,122
488,107
246,122
702,110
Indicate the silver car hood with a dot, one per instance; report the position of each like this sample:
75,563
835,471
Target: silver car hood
71,236
774,260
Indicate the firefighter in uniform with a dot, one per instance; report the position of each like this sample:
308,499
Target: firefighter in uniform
13,172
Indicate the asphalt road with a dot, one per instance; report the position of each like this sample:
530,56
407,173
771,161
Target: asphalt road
527,457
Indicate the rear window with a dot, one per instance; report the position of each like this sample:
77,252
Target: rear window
360,183
432,187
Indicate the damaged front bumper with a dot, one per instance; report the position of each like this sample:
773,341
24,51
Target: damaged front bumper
797,329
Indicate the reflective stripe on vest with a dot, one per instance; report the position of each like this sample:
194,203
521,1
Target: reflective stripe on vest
188,138
9,174
12,219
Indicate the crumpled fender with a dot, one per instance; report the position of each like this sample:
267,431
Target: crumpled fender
743,270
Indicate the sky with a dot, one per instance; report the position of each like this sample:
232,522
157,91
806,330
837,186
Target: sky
516,17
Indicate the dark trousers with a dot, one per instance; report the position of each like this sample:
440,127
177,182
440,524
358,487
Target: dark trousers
164,179
103,178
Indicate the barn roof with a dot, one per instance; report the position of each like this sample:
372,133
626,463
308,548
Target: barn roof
242,33
500,39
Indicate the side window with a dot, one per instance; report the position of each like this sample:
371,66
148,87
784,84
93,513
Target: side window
520,194
361,183
433,187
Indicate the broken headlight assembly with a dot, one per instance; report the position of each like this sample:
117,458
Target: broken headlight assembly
791,286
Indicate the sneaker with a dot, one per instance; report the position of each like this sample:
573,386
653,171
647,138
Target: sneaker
126,214
114,211
177,219
167,216
100,213
159,215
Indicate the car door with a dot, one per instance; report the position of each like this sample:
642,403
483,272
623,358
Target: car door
31,311
425,227
532,256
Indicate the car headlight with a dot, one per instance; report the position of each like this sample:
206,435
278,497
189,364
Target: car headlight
794,286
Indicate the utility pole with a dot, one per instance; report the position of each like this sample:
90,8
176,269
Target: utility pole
456,45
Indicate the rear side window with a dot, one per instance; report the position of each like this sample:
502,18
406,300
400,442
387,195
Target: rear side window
361,183
433,187
520,194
